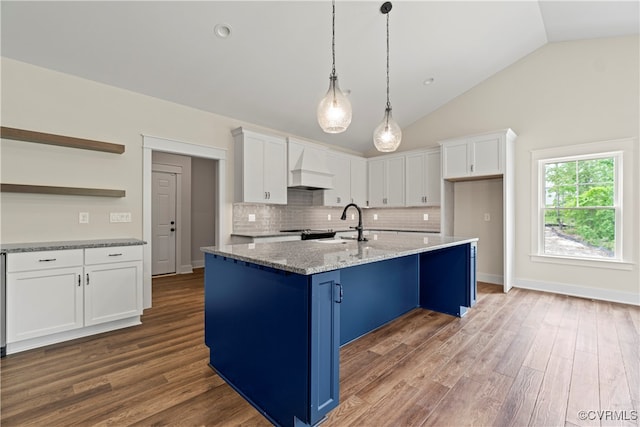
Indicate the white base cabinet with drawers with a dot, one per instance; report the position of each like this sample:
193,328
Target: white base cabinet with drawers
54,296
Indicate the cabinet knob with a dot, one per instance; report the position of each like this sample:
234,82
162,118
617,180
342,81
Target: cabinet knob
79,280
87,279
471,167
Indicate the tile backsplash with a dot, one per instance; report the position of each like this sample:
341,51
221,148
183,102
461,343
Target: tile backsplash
300,213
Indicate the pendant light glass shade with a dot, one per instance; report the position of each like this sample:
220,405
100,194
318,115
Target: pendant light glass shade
387,136
334,110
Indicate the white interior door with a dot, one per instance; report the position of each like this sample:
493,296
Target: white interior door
163,213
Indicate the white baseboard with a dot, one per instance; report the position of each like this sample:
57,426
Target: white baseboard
495,279
579,291
198,263
186,269
86,331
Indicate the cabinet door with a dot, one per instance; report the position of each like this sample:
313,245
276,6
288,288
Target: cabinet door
395,182
253,170
376,182
456,160
43,302
275,171
359,181
326,296
340,167
432,178
415,179
112,292
488,152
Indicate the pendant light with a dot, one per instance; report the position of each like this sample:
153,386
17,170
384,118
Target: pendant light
387,136
334,110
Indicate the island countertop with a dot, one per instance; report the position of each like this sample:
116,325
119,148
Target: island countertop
308,257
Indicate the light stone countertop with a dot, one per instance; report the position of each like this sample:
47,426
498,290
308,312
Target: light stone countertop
70,244
274,233
316,256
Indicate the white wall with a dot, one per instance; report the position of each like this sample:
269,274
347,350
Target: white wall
562,94
43,100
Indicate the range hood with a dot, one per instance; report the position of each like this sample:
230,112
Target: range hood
308,167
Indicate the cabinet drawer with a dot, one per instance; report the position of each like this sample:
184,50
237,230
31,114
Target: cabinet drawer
41,260
112,254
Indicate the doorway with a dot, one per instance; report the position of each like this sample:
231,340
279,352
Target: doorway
151,145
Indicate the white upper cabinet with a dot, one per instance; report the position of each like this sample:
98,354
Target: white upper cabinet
476,156
386,182
260,167
423,178
349,181
359,181
340,167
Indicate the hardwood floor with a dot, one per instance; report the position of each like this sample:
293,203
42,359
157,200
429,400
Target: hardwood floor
524,358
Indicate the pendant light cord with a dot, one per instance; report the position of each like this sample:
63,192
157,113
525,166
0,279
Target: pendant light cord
388,102
333,39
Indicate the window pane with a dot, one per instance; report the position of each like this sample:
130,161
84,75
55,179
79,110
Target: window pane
580,232
595,195
596,171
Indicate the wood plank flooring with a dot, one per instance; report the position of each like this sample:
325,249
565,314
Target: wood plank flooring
517,359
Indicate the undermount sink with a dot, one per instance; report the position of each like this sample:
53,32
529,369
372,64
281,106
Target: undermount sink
336,240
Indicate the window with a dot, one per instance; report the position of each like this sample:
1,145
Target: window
581,206
579,214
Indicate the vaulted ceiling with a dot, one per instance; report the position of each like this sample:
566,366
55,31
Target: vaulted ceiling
273,68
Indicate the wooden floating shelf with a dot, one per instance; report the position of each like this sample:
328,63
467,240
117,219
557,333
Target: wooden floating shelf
60,140
68,191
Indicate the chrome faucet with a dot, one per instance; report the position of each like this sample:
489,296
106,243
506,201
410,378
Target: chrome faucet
359,227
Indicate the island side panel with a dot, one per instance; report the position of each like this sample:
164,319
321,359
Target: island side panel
325,344
448,279
377,293
257,329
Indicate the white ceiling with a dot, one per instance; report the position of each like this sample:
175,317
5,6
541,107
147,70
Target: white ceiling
273,69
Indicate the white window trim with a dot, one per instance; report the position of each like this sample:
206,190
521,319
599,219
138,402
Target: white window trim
623,150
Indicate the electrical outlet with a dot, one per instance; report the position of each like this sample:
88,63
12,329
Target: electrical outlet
120,217
252,217
83,217
353,216
375,217
328,217
487,217
425,217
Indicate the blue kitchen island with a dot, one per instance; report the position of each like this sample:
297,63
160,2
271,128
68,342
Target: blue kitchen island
276,314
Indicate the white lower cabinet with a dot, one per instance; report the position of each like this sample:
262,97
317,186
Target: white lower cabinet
43,302
112,284
53,296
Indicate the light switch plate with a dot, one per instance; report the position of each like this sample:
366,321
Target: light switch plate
487,217
252,217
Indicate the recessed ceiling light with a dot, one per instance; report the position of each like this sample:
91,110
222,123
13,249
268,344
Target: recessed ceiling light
222,30
428,81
